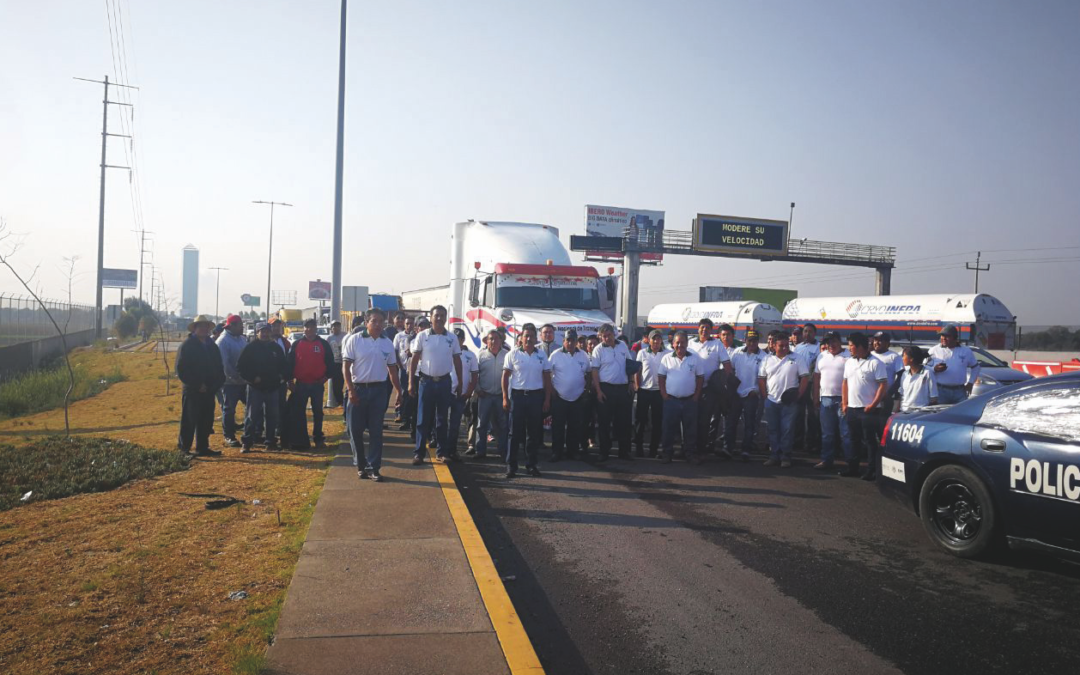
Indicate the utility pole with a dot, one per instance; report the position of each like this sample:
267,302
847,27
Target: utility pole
217,292
270,252
335,280
142,252
101,199
977,268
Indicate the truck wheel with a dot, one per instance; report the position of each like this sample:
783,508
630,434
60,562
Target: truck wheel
957,511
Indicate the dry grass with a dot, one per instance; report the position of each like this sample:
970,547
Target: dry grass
137,580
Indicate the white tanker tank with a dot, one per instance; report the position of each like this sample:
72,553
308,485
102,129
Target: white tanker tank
982,320
741,315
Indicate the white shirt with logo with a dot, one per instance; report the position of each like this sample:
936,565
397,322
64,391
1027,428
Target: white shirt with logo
958,359
437,352
863,377
568,373
369,357
611,362
469,369
712,352
650,367
781,374
894,363
746,367
680,375
526,370
830,371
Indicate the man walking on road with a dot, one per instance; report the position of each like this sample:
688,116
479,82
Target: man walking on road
198,365
650,405
231,343
489,393
569,373
265,369
612,392
310,363
369,358
681,377
435,352
783,379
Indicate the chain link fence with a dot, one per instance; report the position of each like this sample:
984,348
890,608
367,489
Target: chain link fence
23,320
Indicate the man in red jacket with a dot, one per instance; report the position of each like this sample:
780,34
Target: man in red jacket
311,361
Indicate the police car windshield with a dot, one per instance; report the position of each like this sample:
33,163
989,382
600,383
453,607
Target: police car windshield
547,298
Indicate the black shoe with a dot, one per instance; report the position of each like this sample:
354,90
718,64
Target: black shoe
320,444
555,458
511,473
272,446
850,472
403,427
376,477
534,472
823,466
246,448
627,457
232,443
723,454
602,458
207,452
470,453
869,476
666,459
417,461
363,474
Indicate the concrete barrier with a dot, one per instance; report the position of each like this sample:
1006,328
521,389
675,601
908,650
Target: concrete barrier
24,356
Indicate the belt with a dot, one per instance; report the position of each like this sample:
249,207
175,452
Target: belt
951,386
613,384
369,384
433,378
528,392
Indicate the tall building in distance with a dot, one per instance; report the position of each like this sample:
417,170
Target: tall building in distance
189,302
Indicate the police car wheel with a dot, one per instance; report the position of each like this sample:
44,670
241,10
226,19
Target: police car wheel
957,511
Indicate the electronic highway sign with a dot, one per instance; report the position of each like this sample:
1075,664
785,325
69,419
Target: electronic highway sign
735,234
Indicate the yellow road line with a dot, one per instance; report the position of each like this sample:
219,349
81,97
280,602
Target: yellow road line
518,650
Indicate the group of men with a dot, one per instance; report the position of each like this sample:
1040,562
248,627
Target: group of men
276,380
694,392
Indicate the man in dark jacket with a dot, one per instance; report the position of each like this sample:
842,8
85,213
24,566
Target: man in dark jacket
310,362
264,367
198,365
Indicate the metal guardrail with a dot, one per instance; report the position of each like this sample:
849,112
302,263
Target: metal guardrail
22,319
682,241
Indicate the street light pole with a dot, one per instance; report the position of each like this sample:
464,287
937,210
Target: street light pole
217,291
335,291
270,251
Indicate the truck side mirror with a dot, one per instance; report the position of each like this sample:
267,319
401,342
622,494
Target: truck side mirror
474,292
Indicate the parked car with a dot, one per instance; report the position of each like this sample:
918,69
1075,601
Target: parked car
993,374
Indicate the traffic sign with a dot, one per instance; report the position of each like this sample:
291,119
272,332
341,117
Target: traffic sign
734,234
250,300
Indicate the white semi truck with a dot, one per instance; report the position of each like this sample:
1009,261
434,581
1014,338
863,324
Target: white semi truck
982,320
509,274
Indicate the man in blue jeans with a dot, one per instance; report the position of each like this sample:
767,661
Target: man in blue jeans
782,381
310,361
827,390
489,397
368,358
434,353
231,343
681,377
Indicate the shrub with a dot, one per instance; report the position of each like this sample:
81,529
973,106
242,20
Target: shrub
44,389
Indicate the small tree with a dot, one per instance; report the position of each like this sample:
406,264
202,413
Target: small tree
126,325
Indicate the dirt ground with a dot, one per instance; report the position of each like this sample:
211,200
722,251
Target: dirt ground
137,580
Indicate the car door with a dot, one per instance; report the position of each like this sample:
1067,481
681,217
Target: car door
1028,442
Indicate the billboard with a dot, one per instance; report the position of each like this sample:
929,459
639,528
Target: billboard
735,234
319,290
250,300
777,297
354,298
114,278
613,221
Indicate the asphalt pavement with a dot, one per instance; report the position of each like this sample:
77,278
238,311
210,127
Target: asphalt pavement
639,567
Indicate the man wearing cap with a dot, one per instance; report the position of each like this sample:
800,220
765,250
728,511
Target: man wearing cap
569,370
198,365
310,363
680,377
650,405
746,364
827,392
951,362
369,358
435,352
265,368
469,370
231,343
717,369
894,364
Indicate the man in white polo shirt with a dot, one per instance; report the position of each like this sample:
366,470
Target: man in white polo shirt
435,352
865,382
827,392
680,377
746,364
470,368
368,358
781,382
569,370
612,392
894,364
650,405
717,365
526,387
951,362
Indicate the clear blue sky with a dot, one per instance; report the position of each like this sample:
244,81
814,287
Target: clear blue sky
938,128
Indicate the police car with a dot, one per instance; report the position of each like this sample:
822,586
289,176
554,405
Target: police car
1004,465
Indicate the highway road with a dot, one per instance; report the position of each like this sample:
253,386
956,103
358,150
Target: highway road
639,567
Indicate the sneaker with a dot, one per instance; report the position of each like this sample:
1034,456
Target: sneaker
511,473
272,446
823,466
786,464
363,474
376,477
207,452
471,453
232,443
417,461
534,472
246,448
771,462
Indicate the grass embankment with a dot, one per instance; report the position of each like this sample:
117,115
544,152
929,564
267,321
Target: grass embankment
137,579
44,389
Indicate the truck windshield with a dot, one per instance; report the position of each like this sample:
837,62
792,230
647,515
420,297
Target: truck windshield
543,292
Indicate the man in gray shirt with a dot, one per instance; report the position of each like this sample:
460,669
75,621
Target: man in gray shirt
489,393
230,344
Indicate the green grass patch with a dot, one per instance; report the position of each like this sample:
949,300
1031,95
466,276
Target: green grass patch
44,389
56,467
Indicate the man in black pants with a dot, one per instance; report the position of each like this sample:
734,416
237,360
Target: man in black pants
650,406
612,392
863,394
198,365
